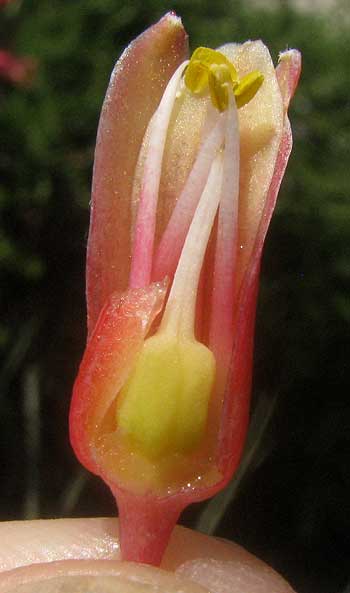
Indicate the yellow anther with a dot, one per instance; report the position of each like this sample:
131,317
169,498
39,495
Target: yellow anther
209,57
219,81
210,70
248,87
163,407
196,75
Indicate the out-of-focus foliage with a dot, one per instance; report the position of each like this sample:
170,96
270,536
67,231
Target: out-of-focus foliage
46,153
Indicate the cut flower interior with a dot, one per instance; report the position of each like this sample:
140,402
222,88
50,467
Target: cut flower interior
189,158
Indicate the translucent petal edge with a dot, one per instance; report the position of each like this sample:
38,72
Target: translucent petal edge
108,359
136,86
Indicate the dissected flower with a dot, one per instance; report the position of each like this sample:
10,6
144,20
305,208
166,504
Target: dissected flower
189,159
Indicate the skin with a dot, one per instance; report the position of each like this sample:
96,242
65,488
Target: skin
82,555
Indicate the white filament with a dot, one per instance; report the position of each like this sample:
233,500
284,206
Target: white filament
221,191
179,314
221,315
141,265
190,195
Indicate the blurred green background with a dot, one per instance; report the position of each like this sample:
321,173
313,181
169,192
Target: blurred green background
291,501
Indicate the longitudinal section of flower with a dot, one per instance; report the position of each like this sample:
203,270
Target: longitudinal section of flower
162,410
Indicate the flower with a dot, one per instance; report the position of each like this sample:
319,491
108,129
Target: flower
16,70
13,69
189,159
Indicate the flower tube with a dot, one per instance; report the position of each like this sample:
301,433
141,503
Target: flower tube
189,158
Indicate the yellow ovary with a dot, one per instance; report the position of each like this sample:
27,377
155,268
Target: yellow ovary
163,407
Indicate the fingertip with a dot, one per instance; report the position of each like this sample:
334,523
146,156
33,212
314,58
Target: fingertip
220,566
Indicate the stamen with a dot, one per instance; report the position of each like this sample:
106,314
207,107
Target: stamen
141,265
179,315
